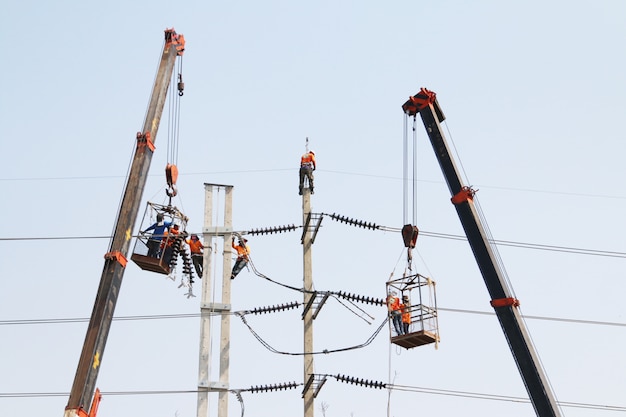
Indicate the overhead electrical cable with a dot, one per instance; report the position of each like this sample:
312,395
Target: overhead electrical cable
395,387
197,315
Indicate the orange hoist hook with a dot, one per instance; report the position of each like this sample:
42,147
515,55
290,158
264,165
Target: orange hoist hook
171,175
181,85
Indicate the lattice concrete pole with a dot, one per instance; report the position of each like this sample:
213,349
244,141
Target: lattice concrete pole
205,309
222,410
308,316
210,235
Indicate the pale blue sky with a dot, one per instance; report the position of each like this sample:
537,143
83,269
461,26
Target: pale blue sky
534,97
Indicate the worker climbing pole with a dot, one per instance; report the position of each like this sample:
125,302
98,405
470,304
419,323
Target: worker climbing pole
307,166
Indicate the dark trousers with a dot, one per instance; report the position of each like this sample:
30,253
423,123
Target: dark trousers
154,248
396,318
240,263
197,260
306,172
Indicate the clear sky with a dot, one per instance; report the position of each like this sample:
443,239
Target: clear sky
534,95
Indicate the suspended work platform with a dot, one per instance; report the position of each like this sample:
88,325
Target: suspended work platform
417,308
160,259
149,263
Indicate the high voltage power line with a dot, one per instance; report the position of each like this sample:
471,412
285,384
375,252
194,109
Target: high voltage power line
359,174
393,387
197,315
537,246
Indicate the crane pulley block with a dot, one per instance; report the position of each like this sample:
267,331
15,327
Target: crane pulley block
171,176
145,139
409,235
466,194
173,38
420,101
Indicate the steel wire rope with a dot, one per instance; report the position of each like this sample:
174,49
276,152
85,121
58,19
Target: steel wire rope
334,294
391,386
269,347
325,351
14,322
493,247
500,263
204,173
173,133
405,171
121,199
336,297
536,246
481,216
496,397
259,274
414,179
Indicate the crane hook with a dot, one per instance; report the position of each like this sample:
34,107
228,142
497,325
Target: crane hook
181,85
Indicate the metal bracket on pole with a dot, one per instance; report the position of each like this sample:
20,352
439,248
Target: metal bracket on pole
308,305
217,231
305,228
315,381
315,217
215,307
317,228
320,304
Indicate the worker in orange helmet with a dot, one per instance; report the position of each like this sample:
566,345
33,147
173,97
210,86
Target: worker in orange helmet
393,306
307,166
197,257
167,243
405,306
243,250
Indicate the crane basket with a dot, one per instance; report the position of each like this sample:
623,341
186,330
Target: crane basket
419,307
156,237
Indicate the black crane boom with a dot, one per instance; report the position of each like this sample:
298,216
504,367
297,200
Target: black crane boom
505,305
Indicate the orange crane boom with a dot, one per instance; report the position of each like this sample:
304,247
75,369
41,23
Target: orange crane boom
80,400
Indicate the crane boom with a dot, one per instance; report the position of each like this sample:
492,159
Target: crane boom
82,392
505,305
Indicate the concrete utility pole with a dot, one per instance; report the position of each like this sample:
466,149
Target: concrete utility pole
211,234
307,243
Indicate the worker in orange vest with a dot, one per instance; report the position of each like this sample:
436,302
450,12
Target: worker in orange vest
307,166
197,257
393,306
167,243
405,306
243,250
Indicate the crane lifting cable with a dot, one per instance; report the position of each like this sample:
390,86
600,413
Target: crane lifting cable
411,299
163,230
409,163
173,133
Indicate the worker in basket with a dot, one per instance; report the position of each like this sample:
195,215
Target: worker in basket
159,230
167,244
307,166
243,250
395,313
405,307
